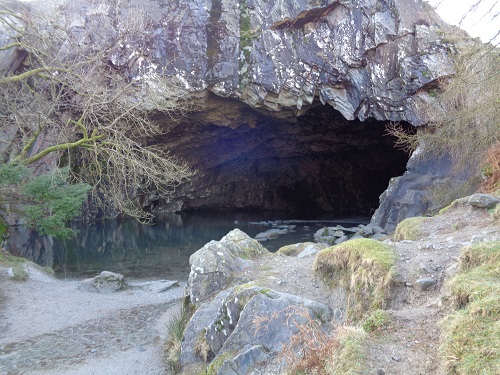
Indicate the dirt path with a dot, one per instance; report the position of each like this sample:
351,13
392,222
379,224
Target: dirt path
50,327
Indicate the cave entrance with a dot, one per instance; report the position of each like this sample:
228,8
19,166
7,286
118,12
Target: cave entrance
322,163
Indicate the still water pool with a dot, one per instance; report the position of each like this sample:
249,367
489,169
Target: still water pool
160,251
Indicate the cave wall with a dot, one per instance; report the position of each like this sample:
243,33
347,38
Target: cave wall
319,163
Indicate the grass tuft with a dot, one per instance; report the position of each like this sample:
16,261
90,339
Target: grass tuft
485,253
349,358
175,331
319,349
364,267
19,274
9,260
471,334
409,229
376,321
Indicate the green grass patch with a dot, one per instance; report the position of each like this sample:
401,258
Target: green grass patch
349,356
376,321
471,333
480,254
8,260
19,274
455,203
365,267
409,229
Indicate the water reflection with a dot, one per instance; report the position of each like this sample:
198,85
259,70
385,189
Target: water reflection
146,252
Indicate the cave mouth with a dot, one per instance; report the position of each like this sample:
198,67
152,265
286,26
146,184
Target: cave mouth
320,163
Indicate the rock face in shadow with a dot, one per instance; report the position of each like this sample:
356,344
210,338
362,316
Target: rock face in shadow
418,190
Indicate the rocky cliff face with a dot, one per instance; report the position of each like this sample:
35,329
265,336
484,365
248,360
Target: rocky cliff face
289,98
364,58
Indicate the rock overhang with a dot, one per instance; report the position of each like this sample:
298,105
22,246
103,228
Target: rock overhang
367,59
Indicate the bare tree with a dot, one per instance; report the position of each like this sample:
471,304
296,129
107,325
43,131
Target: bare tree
71,100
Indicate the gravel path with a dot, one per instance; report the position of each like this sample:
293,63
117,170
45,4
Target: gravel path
50,327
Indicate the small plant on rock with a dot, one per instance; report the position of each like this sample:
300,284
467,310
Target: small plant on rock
175,331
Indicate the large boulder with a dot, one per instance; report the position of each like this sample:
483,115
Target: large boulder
217,263
106,282
227,329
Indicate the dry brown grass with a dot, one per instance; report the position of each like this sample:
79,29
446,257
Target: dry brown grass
317,348
491,169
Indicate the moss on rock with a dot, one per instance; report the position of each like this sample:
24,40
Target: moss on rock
409,229
364,267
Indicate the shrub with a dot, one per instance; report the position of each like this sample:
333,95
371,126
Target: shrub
491,169
365,267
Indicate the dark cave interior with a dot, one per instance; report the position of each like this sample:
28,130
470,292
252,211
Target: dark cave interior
318,163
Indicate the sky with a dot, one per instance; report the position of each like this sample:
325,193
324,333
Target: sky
478,23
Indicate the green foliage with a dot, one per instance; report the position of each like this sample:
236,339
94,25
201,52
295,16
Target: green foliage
47,201
12,174
19,274
471,334
349,357
56,202
175,331
376,321
3,229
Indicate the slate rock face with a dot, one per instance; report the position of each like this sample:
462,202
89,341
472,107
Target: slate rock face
244,62
365,58
411,194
